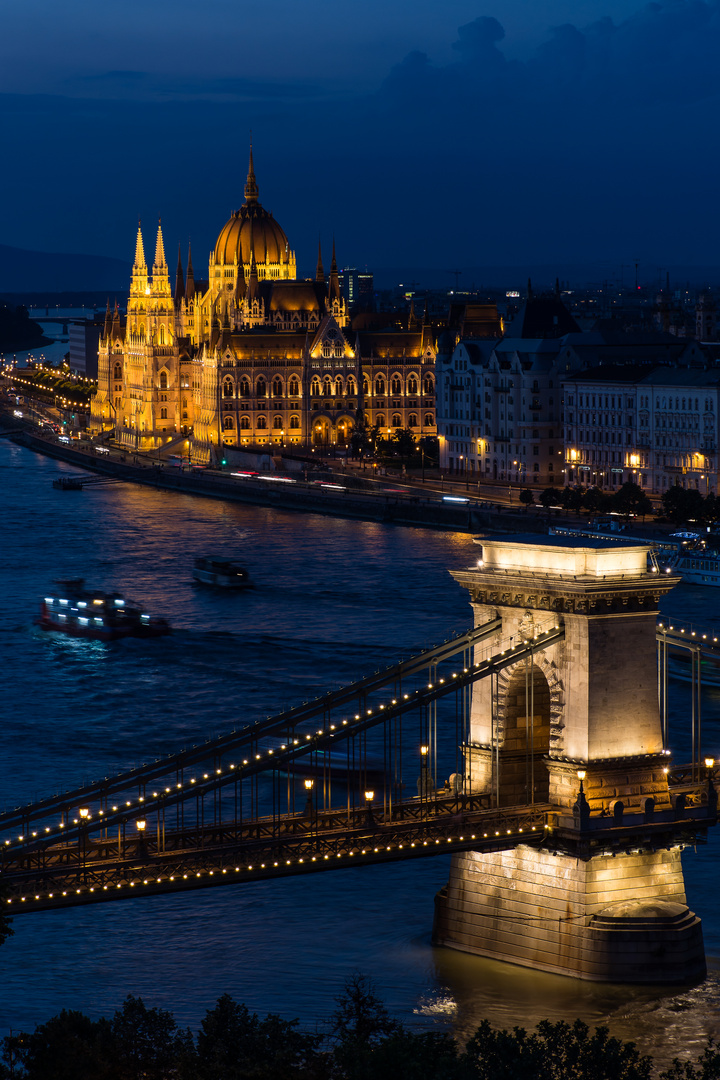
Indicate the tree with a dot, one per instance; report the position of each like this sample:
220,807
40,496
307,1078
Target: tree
527,498
358,1024
69,1046
235,1044
572,499
631,499
147,1044
551,497
706,1067
554,1052
682,504
404,441
595,500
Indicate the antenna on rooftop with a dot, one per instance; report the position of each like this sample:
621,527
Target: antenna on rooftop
456,274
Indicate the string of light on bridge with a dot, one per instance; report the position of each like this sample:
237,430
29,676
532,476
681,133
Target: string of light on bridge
173,879
144,804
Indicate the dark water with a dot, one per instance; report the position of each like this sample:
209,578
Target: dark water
335,599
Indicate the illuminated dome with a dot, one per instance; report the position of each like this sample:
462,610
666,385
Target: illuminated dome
252,230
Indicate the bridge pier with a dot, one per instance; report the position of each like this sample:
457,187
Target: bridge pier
577,726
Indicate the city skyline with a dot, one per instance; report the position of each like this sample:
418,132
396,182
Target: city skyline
463,137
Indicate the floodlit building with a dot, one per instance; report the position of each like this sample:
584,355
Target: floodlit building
252,355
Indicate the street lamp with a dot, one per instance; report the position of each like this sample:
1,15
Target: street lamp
369,796
309,783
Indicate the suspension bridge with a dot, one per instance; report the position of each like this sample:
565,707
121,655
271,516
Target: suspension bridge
374,772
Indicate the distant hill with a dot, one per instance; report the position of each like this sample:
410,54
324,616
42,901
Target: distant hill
40,271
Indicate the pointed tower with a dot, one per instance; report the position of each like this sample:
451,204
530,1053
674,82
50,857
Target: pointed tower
190,280
319,273
139,281
240,285
108,321
179,282
253,287
334,289
160,273
251,188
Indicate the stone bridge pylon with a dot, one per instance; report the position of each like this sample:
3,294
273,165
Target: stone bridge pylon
577,726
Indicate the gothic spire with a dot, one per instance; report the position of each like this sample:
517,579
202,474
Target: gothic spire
190,280
159,265
139,251
240,284
251,188
334,291
319,273
179,281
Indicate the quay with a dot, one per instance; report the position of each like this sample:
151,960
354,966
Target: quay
332,493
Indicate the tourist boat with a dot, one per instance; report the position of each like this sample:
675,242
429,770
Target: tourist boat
221,573
697,561
80,612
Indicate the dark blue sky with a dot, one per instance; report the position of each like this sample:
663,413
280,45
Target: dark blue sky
422,134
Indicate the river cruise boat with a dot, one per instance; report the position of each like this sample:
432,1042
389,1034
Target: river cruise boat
86,613
221,574
697,560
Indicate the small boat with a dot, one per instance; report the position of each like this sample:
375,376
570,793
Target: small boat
84,613
68,483
221,573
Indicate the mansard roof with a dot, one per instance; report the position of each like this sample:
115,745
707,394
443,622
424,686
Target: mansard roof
294,296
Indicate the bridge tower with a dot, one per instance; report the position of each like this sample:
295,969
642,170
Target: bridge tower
602,896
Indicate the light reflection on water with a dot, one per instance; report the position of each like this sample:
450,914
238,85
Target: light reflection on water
334,600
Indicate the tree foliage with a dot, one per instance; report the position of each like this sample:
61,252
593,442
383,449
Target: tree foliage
364,1043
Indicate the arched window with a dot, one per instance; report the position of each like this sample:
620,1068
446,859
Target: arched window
351,387
161,336
315,387
429,420
244,422
163,380
294,388
244,387
294,422
277,422
228,423
262,423
277,387
261,388
366,387
227,388
429,385
396,385
117,372
326,349
380,420
327,386
396,420
338,350
412,385
338,387
412,420
163,414
380,386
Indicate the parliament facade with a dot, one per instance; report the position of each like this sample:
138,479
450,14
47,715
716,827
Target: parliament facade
252,355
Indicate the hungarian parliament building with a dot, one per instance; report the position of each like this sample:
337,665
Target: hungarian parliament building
252,355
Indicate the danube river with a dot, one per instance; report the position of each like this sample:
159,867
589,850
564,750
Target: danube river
334,600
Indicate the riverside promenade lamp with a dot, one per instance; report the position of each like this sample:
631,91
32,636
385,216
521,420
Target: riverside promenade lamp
369,796
309,784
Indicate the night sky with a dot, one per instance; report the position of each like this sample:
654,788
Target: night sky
421,133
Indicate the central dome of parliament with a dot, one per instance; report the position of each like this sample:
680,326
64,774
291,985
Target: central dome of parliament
252,230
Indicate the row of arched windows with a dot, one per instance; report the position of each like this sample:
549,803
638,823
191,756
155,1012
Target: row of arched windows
261,424
325,387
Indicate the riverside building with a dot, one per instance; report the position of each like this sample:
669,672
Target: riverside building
253,356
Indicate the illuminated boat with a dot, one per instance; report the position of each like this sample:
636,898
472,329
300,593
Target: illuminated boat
84,613
221,574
